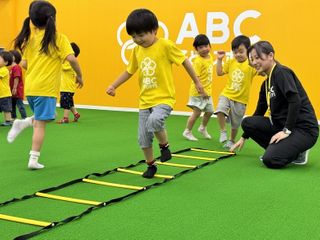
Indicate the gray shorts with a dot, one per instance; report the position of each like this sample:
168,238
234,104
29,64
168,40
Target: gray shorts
151,120
203,104
232,109
5,104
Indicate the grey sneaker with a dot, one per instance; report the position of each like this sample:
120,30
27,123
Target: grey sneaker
228,144
223,136
302,158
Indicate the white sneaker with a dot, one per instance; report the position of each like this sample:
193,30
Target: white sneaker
188,135
204,132
228,144
17,127
223,136
35,165
302,158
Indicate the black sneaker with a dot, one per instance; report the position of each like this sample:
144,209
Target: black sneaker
165,154
302,158
150,172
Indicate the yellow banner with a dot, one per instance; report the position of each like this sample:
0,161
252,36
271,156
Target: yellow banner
98,26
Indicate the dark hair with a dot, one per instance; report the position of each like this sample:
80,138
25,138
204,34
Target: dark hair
262,47
201,39
241,39
141,20
17,56
42,14
7,57
75,48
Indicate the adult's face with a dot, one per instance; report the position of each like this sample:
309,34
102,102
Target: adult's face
262,63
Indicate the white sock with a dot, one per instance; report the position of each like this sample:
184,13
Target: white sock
33,160
18,126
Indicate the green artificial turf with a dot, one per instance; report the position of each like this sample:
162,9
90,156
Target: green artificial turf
235,198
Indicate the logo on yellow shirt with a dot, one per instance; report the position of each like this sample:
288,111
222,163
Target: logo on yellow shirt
148,69
237,78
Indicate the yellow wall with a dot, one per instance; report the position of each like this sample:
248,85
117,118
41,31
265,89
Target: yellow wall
290,25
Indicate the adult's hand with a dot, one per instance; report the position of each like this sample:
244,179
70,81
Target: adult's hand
278,137
238,145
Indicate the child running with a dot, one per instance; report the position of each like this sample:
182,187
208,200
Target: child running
203,65
43,53
68,88
17,86
153,57
5,92
235,95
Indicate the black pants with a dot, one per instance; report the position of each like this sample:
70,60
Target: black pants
278,155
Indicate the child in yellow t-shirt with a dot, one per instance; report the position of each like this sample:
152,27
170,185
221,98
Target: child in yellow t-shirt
235,95
5,92
203,65
68,88
43,53
153,57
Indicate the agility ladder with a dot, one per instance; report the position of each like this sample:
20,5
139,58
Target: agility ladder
94,204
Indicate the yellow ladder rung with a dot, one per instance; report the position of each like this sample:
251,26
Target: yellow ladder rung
112,184
193,157
75,200
24,220
211,151
175,164
140,173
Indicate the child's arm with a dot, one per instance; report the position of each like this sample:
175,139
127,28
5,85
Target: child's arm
111,90
220,56
15,85
76,67
23,64
187,65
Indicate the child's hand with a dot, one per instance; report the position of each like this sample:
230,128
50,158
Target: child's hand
201,91
111,90
220,54
79,81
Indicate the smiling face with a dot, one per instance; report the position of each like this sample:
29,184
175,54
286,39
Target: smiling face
240,53
203,50
145,39
262,63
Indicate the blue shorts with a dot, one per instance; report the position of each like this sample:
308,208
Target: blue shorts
43,108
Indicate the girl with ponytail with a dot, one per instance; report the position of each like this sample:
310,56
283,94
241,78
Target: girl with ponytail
43,52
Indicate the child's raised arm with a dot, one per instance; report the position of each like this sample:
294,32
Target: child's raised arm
111,90
76,67
188,66
220,55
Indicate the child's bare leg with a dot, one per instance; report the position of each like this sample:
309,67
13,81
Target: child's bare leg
148,154
234,133
193,118
66,113
205,119
222,124
37,141
203,126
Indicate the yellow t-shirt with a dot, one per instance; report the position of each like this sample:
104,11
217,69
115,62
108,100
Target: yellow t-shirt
204,70
43,75
239,81
4,82
68,79
155,72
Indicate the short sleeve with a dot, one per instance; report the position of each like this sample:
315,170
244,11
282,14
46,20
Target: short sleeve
226,66
133,62
175,55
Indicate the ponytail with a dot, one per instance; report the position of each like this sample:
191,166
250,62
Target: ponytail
24,35
49,37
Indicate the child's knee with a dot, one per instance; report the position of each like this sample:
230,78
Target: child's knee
155,123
